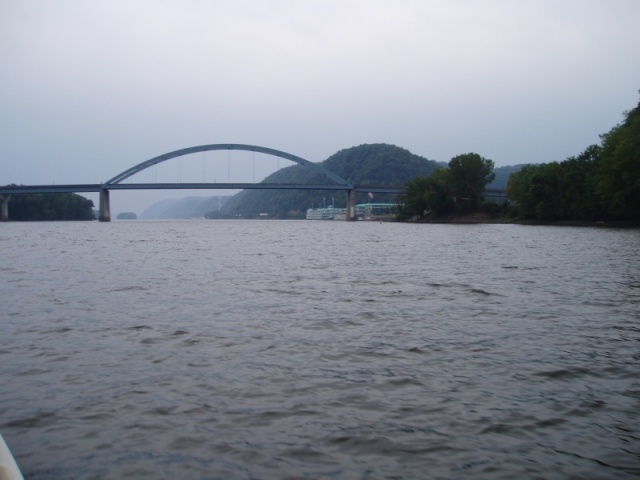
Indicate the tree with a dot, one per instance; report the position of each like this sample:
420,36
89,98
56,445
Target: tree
459,187
414,203
50,206
519,191
546,192
468,176
603,182
558,190
438,193
578,177
619,173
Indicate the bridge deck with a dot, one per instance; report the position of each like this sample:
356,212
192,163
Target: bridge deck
96,187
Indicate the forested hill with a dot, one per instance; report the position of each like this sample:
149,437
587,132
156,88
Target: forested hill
188,207
369,164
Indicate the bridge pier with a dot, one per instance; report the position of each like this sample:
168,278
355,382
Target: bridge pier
104,214
4,215
351,206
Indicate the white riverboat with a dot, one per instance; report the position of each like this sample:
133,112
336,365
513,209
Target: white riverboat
328,213
364,211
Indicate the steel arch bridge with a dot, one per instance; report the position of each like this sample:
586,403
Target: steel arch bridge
337,183
115,183
224,146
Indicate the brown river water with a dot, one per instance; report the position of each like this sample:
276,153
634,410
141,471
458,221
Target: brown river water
311,350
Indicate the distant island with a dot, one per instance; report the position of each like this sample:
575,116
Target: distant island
127,216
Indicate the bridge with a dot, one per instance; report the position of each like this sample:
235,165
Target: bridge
339,183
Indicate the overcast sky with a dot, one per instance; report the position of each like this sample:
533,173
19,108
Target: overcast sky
91,88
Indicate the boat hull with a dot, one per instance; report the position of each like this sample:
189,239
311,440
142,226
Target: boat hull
8,467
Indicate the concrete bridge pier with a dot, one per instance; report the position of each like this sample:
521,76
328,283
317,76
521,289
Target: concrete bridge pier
4,215
351,206
104,214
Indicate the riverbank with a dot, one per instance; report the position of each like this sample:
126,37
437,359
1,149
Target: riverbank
486,218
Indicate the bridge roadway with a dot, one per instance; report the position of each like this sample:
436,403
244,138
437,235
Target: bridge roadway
97,187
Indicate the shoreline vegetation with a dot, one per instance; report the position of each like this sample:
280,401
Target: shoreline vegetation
484,218
599,187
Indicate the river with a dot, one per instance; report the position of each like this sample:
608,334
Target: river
310,350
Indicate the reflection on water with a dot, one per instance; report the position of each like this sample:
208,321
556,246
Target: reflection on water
271,349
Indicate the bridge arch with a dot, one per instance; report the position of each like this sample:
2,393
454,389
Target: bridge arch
223,146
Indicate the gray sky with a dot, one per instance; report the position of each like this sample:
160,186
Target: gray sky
91,88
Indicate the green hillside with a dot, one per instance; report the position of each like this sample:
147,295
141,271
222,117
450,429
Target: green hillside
369,164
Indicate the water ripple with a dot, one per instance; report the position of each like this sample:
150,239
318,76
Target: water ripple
320,350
